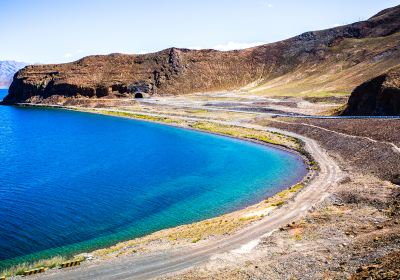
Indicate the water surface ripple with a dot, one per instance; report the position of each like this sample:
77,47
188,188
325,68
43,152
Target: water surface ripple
72,182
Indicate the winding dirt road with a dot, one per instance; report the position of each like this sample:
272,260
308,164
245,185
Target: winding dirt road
165,262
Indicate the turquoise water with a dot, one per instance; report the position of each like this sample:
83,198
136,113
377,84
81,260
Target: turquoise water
73,182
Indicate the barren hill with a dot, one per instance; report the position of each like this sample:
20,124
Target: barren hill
378,96
332,60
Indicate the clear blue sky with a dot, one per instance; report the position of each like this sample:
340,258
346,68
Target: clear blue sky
52,31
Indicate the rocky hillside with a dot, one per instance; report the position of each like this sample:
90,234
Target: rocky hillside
379,96
330,60
7,71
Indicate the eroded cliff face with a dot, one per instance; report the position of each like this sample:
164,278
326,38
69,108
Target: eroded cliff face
172,71
362,49
379,96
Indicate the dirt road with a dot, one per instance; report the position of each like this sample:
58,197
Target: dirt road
161,263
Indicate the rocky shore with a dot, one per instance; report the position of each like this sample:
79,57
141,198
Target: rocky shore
354,231
342,224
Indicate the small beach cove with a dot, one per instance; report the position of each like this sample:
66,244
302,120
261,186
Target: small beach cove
243,178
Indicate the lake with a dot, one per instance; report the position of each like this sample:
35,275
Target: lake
73,182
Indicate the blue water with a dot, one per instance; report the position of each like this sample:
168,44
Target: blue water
3,93
73,182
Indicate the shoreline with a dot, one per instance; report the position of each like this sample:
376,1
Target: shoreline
305,181
167,256
98,111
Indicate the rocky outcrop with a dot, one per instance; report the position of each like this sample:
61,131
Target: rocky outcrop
379,96
336,58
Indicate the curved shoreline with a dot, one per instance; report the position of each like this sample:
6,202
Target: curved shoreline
172,260
103,112
281,147
306,159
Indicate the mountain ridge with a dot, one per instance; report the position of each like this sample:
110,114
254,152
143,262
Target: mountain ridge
332,60
7,70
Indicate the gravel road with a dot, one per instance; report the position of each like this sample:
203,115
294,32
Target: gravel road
161,263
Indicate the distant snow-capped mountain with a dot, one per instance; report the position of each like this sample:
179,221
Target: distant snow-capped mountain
7,70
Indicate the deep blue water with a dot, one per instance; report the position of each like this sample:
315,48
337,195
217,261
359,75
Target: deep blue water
72,182
3,93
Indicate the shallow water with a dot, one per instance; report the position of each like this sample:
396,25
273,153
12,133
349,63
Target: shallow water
73,182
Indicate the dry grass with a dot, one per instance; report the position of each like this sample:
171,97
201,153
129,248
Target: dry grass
205,229
195,232
218,226
192,233
288,192
247,133
46,263
139,116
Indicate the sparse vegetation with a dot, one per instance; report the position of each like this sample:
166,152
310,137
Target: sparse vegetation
285,193
46,263
353,232
110,250
195,232
278,203
218,226
139,116
247,133
195,240
298,237
335,111
296,187
314,165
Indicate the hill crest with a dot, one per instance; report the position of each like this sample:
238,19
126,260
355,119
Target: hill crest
332,60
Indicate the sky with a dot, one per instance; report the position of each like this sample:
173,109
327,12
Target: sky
56,31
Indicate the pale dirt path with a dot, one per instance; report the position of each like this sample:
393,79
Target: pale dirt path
165,262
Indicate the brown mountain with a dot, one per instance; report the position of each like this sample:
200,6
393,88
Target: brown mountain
379,96
332,60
